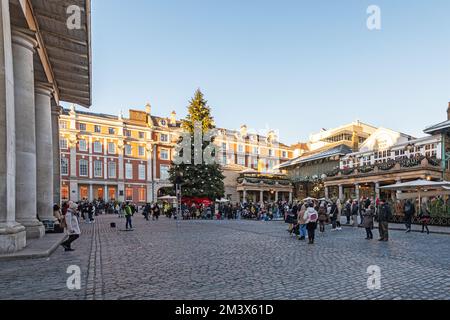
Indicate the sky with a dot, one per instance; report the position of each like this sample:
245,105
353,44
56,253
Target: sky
294,66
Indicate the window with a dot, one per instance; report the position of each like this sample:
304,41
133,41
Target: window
164,155
63,143
224,146
111,131
82,126
284,154
83,168
63,124
270,152
97,146
97,128
111,148
163,123
141,135
141,172
255,163
111,169
82,145
128,150
65,193
126,133
241,161
431,150
240,148
224,159
142,195
164,172
255,150
141,151
164,137
98,165
64,166
129,194
128,171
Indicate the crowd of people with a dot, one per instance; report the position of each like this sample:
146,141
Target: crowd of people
302,217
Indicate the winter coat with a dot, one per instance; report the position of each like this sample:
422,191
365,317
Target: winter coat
72,225
323,216
368,216
384,213
301,216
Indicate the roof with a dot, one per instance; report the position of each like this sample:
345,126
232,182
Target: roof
340,150
65,55
438,128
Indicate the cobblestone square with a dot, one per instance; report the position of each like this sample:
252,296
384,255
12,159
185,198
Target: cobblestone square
236,259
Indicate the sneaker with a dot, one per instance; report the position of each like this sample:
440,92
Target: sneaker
339,229
69,249
381,239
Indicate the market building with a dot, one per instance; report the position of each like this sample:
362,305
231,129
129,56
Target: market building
45,59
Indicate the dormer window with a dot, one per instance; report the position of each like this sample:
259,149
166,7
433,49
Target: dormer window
163,122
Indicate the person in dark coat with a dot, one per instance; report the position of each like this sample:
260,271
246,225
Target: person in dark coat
384,214
355,212
368,215
409,209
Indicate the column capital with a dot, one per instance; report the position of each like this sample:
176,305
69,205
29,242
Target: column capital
43,88
23,38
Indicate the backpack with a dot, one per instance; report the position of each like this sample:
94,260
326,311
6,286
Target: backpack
313,217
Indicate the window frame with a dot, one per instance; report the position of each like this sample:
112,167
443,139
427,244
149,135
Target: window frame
81,165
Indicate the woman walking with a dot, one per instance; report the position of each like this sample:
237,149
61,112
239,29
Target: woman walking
302,222
72,226
323,217
311,222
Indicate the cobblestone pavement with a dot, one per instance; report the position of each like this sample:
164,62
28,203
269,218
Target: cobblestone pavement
232,260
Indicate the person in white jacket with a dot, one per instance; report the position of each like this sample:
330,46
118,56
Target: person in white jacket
72,226
311,217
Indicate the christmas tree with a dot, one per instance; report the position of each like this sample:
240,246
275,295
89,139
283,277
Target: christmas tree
198,180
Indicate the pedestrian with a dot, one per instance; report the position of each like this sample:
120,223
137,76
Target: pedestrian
311,222
334,216
368,215
323,217
409,209
72,226
424,216
384,214
348,210
355,212
128,215
302,222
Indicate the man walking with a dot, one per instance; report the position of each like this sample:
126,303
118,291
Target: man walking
384,214
409,210
128,215
355,212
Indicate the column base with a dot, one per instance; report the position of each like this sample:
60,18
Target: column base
34,229
12,237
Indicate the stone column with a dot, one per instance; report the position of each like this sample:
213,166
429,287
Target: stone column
105,194
290,196
91,193
12,234
26,205
276,196
244,196
377,190
398,181
261,196
341,192
357,191
149,173
327,193
56,111
44,152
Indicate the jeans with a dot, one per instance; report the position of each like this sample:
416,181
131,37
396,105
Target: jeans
303,230
69,241
311,227
369,233
128,222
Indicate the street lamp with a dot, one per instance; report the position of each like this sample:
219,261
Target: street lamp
178,182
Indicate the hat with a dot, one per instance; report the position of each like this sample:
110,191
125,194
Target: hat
73,205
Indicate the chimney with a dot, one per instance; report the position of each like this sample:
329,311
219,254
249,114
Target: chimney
148,108
448,111
173,118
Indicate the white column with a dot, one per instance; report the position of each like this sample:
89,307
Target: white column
276,196
290,196
244,196
26,205
44,152
377,190
105,168
73,189
12,234
91,193
56,111
357,191
261,196
341,192
73,160
149,173
105,194
327,193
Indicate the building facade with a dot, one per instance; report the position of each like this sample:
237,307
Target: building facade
43,62
127,159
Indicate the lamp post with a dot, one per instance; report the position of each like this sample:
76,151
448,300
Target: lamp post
178,182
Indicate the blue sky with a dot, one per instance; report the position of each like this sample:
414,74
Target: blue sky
295,66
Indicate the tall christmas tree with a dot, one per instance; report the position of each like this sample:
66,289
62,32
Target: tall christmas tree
198,180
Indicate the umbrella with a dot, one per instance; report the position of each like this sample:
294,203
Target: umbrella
167,198
309,199
419,186
223,200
